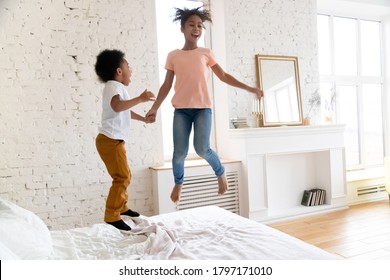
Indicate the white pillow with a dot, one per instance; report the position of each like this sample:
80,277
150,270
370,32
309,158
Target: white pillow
23,232
7,254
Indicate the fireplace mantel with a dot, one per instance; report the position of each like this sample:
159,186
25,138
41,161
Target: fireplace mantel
279,163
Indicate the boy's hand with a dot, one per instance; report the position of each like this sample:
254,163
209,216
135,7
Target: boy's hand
147,96
149,120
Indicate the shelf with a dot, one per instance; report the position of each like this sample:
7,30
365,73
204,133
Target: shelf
300,211
280,163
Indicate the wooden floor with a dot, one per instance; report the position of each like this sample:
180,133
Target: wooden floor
361,232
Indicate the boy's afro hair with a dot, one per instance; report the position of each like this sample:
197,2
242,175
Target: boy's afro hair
182,15
106,64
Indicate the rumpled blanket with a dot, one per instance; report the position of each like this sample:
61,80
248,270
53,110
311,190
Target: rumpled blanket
204,233
146,240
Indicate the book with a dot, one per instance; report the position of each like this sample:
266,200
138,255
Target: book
306,198
318,192
323,196
313,197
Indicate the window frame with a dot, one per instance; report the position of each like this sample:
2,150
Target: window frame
207,33
357,81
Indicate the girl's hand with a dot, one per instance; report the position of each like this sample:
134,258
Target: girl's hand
149,120
150,116
259,93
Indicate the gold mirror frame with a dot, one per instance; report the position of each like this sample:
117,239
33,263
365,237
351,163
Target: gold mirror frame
278,77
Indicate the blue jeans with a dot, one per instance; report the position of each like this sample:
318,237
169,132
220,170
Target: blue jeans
182,125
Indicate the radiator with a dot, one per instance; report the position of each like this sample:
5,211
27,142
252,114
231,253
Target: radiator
201,190
367,190
200,187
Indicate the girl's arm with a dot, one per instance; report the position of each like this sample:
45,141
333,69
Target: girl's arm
162,94
121,105
230,80
164,89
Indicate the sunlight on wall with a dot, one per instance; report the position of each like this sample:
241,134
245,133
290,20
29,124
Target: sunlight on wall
169,38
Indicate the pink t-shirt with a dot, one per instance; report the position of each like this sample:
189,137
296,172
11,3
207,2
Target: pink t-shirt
192,71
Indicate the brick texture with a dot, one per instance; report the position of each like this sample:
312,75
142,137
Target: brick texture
50,101
50,105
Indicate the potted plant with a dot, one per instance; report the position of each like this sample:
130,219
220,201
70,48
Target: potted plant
314,102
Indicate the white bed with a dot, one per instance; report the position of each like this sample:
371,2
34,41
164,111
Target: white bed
204,233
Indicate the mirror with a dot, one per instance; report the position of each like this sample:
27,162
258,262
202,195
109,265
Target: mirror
278,77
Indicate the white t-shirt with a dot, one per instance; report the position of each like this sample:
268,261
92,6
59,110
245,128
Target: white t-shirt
115,125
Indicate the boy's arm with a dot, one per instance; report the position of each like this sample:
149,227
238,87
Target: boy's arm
137,117
121,105
230,80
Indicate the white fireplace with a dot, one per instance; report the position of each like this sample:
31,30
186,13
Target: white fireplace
279,163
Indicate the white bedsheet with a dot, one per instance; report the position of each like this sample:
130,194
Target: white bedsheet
105,242
201,233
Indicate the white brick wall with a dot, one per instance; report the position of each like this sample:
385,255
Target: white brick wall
283,27
50,97
50,105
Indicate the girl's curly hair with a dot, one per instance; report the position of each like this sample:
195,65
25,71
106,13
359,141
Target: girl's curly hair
182,15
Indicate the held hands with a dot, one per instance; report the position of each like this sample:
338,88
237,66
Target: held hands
150,116
145,97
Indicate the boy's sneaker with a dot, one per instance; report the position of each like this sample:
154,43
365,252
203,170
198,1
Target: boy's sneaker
130,213
120,225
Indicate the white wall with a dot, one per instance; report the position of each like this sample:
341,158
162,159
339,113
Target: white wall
260,27
50,97
270,28
50,104
386,88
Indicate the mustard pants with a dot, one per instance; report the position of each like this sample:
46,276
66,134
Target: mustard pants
113,154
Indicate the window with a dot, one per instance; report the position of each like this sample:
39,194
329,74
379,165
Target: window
169,38
352,84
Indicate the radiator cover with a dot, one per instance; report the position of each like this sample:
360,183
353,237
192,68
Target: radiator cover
200,187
